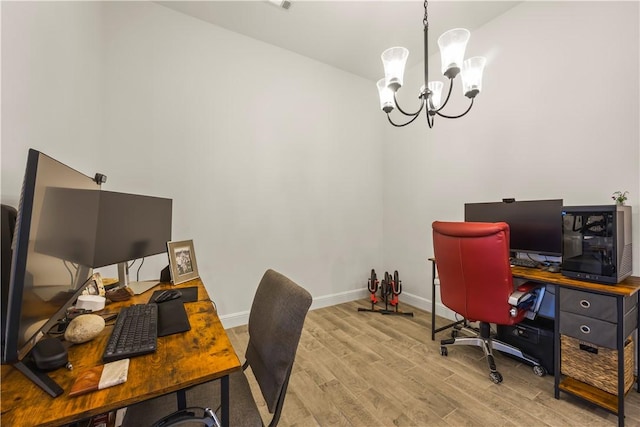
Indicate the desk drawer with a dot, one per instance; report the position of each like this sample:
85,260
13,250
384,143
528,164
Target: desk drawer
598,306
596,331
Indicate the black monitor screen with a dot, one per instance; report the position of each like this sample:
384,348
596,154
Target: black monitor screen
109,228
66,225
42,282
535,225
131,226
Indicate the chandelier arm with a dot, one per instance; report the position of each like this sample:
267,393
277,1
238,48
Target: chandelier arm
404,112
448,96
458,116
401,124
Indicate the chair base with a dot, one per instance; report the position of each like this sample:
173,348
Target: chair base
482,338
243,410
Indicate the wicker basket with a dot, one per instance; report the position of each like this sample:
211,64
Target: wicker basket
597,366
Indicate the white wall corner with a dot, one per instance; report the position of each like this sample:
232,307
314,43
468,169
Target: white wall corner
235,319
425,304
242,318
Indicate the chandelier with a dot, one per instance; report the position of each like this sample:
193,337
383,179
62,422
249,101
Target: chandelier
452,46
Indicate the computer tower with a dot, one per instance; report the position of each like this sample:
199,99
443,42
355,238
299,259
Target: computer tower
533,337
596,243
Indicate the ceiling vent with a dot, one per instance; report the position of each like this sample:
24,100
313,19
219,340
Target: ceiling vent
284,4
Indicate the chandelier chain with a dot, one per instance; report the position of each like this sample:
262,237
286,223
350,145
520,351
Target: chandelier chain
425,20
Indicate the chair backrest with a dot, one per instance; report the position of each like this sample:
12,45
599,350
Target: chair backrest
473,268
275,325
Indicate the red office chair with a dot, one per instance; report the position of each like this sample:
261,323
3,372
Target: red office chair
476,282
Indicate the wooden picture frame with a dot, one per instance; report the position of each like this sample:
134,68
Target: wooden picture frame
182,261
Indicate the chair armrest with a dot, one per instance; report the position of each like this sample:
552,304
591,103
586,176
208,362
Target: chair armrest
519,297
523,293
524,297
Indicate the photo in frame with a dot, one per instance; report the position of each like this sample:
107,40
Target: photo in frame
182,261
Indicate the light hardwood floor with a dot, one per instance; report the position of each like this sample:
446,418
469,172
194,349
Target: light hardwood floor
366,369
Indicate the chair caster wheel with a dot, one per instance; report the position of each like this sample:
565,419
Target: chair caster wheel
443,351
539,371
454,334
496,377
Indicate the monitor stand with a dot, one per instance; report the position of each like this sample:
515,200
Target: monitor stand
82,275
123,274
136,287
40,378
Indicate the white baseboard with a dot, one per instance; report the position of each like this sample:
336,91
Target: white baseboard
342,297
234,319
425,304
242,318
416,301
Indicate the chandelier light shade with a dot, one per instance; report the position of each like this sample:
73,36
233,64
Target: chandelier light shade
452,44
436,94
472,70
394,60
386,96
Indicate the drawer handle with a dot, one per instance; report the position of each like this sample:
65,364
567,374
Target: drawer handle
585,329
584,303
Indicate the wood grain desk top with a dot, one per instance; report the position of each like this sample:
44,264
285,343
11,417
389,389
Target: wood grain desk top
627,287
202,354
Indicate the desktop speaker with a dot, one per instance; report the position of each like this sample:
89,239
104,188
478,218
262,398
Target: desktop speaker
165,275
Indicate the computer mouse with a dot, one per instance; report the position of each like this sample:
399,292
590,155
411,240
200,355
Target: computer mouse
168,295
553,269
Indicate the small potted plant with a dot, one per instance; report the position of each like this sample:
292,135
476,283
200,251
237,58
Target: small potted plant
620,197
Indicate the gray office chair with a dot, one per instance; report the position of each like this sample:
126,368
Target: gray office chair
275,325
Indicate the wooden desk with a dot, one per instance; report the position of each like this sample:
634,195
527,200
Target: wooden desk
182,360
629,286
618,294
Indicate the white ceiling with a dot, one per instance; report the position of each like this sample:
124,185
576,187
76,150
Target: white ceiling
349,35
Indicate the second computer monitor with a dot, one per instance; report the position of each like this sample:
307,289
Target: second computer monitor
535,225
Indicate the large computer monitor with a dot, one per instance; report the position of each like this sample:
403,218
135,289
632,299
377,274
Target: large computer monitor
535,225
41,285
66,225
122,227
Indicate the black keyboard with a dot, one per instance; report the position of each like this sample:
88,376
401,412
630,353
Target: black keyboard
135,333
524,262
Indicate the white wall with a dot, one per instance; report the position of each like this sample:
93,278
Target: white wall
267,155
558,118
275,160
51,86
272,160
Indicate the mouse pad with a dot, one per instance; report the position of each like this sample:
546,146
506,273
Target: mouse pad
172,318
188,294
